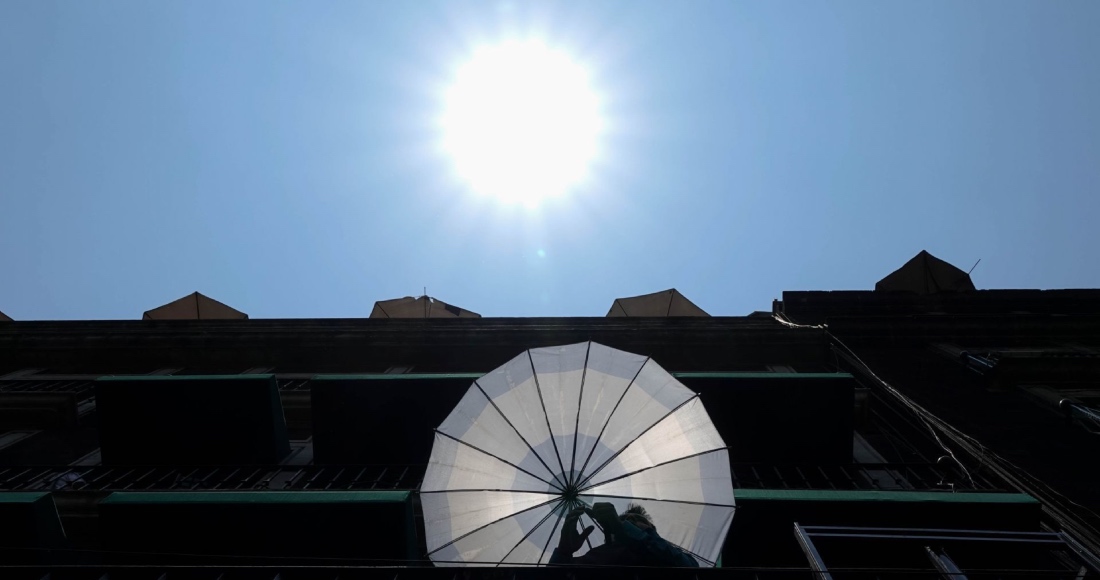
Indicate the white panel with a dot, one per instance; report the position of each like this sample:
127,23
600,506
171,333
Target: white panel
449,515
511,538
454,466
513,390
652,396
688,431
559,371
609,373
702,478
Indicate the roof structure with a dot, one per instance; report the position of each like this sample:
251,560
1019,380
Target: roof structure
194,306
422,307
5,317
665,303
926,274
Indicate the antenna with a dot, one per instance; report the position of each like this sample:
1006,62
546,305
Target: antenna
974,266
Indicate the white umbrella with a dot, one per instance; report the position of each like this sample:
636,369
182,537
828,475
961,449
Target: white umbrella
564,426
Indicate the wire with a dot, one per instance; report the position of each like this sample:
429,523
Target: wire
786,322
921,412
1012,473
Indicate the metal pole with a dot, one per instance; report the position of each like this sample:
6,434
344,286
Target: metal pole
944,565
808,548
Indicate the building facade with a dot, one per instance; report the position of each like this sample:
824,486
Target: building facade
871,435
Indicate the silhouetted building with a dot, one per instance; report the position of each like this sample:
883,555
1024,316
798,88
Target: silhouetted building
198,446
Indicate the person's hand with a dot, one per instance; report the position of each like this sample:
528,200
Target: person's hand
605,515
572,539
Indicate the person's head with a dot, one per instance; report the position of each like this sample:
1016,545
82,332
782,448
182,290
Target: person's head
636,515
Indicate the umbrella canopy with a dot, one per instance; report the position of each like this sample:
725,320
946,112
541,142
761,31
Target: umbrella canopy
563,426
194,306
423,307
665,303
926,274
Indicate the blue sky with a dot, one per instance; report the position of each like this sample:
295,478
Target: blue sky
282,156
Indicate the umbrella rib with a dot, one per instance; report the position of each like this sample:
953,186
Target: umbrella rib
708,561
422,492
588,540
471,490
500,519
520,435
502,460
528,535
634,497
610,415
577,425
662,464
545,547
637,437
549,430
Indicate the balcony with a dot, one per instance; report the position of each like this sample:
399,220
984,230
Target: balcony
858,477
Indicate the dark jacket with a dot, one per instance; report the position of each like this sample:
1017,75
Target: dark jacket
634,548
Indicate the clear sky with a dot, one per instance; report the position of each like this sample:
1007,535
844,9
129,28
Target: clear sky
284,157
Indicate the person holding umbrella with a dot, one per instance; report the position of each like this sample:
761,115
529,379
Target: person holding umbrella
632,540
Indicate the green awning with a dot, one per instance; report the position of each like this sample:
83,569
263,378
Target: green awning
300,528
191,420
31,528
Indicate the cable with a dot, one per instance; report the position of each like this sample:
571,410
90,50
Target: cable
1010,472
781,319
913,406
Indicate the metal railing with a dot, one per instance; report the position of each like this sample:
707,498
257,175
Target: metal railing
365,477
83,388
1059,554
211,478
861,476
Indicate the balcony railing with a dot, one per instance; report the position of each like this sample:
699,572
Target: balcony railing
367,477
84,388
944,553
862,476
277,478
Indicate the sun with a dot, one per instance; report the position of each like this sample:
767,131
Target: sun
521,122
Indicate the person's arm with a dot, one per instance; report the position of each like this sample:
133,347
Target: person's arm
561,557
664,553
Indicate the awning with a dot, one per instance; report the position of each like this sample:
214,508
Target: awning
31,528
191,420
300,527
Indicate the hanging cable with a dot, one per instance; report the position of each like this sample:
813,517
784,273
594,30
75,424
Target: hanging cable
1055,504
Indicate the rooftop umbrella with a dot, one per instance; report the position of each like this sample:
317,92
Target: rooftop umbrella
926,274
564,426
664,303
194,306
422,307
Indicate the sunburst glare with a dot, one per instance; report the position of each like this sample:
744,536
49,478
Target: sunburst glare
521,122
